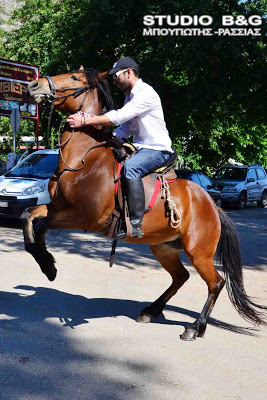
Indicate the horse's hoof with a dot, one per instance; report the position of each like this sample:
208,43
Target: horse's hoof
51,274
201,334
189,334
144,318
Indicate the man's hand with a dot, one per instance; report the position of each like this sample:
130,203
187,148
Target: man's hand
76,120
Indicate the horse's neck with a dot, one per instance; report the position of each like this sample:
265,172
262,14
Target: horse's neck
78,142
91,104
90,135
87,135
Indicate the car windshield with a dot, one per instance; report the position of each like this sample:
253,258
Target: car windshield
39,166
232,174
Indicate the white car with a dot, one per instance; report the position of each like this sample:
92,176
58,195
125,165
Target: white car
26,185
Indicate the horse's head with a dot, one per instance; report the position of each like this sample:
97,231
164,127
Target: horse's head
84,90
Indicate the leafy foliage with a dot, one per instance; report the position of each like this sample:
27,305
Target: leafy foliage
6,146
211,87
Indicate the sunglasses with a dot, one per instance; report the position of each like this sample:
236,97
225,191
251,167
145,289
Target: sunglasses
117,74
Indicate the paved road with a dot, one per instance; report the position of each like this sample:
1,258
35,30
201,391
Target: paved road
76,338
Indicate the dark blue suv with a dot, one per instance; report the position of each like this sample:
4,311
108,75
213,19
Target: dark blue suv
203,181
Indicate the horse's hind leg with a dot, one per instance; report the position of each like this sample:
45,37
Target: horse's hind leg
34,221
168,256
215,283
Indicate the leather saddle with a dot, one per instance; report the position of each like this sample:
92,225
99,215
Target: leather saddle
152,185
129,150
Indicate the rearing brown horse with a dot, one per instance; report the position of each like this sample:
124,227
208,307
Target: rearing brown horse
82,197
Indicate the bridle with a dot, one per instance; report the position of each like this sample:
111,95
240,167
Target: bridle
52,97
77,91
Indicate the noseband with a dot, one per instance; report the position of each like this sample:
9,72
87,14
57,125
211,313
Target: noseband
52,97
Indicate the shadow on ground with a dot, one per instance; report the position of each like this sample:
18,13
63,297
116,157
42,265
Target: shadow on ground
39,361
75,310
251,224
42,360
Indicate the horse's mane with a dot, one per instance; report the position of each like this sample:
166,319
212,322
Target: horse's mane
102,88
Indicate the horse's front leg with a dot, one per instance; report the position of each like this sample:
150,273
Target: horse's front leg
34,221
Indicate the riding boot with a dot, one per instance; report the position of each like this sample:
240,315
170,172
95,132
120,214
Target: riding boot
135,196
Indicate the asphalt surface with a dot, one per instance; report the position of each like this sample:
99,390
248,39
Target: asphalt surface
76,338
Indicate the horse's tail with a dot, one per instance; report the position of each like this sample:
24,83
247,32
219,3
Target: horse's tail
230,256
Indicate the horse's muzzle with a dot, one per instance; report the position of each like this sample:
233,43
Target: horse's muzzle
38,91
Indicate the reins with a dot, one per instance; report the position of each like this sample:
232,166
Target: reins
61,145
102,144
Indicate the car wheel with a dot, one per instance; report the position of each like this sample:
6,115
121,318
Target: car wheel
218,202
242,201
263,202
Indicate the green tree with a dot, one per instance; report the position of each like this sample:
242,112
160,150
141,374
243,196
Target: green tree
6,146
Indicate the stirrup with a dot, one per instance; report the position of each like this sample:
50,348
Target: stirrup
120,235
136,233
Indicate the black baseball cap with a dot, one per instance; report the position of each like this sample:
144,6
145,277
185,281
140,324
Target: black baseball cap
125,62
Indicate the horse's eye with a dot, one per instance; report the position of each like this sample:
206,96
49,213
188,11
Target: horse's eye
74,78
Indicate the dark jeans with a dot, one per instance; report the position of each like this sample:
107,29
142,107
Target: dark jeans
144,162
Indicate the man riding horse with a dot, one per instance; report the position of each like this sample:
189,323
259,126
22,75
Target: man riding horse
142,116
82,191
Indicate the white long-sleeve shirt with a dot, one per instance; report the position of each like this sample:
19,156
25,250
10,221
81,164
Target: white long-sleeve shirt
142,116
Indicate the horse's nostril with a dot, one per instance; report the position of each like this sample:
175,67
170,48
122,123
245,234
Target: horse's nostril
34,85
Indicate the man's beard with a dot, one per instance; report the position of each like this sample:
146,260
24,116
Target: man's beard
124,87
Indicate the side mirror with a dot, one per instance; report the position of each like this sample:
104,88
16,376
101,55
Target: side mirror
251,179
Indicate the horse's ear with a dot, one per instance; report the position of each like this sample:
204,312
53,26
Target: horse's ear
102,75
81,68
